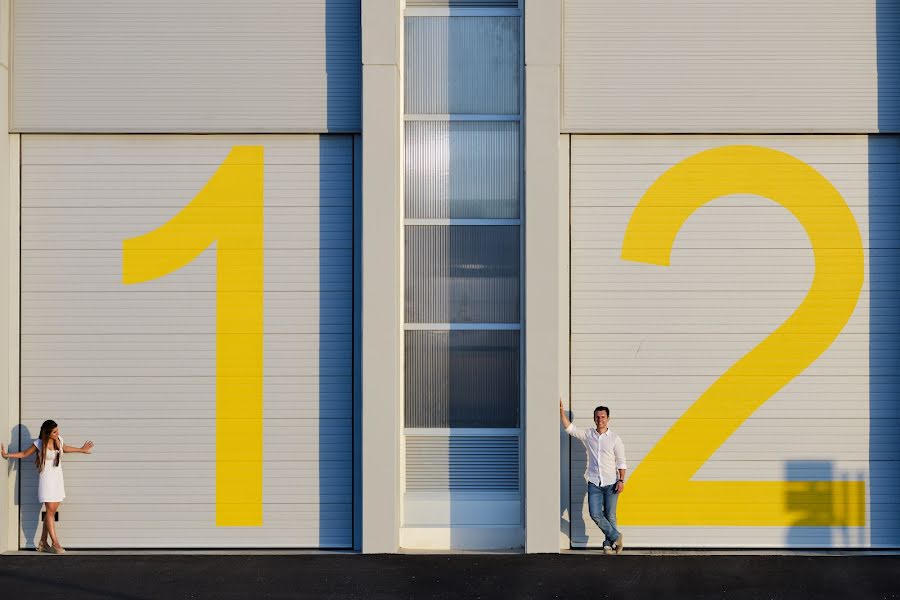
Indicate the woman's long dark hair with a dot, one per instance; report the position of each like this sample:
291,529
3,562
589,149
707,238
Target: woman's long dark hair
46,429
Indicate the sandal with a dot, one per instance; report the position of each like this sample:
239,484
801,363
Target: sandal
55,550
42,546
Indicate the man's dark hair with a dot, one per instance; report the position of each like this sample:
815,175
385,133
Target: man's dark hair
603,408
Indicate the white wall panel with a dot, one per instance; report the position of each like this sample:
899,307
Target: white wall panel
134,367
720,66
647,341
186,66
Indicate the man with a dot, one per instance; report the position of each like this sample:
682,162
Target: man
605,473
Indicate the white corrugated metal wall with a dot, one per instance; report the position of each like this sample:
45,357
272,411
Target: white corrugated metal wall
198,66
133,367
764,67
649,340
711,66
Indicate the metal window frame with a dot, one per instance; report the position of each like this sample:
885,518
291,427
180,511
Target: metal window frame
421,11
425,117
467,222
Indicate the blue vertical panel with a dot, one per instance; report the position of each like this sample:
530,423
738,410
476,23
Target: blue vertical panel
888,36
884,326
343,65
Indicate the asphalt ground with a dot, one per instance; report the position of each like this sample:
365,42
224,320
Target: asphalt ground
347,576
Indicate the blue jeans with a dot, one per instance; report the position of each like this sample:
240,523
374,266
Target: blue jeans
602,506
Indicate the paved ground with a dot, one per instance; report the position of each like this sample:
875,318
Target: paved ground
574,575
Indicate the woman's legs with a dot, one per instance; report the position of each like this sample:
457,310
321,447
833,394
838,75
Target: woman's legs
43,532
50,522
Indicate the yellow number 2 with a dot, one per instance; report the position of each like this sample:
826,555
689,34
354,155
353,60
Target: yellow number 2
661,491
228,211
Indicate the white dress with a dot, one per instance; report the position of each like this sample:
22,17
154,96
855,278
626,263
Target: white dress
50,483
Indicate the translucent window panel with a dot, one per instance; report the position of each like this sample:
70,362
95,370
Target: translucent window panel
462,378
462,65
464,3
462,274
462,169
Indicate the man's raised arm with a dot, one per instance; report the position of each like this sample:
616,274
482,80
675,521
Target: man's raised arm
562,415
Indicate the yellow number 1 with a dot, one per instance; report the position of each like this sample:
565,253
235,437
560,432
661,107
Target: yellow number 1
662,491
228,211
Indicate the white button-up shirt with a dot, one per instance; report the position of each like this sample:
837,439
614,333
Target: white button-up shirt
606,453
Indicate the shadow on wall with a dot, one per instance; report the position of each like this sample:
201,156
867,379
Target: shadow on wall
888,48
884,329
484,275
26,487
819,504
343,65
335,346
338,463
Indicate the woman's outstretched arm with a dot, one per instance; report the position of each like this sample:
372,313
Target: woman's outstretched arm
24,454
85,449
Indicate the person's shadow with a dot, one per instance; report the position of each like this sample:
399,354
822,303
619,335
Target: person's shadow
26,487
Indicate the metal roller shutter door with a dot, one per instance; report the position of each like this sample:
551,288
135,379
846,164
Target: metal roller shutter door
648,340
196,66
698,67
133,367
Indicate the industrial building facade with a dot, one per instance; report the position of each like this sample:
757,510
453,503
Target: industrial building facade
315,274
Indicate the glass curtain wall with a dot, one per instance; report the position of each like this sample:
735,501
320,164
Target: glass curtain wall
463,256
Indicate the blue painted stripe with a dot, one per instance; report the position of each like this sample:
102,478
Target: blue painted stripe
884,327
888,46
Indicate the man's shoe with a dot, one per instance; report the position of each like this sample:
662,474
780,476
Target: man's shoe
608,550
620,544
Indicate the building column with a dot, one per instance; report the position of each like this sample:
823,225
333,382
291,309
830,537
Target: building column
546,278
9,291
382,280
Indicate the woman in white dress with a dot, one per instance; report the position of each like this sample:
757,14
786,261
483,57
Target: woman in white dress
51,489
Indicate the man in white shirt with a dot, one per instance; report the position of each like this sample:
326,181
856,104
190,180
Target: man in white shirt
605,473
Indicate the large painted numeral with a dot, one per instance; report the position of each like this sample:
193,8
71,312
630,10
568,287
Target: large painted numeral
661,491
228,211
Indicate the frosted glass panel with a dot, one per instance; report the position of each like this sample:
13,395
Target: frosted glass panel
462,379
462,274
462,65
462,170
464,3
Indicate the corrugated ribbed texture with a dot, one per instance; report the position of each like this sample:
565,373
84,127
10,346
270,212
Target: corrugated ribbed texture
462,378
178,66
462,463
647,340
888,27
721,66
134,367
462,274
462,170
462,65
884,325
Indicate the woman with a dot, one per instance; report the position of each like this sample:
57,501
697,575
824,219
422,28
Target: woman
51,491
